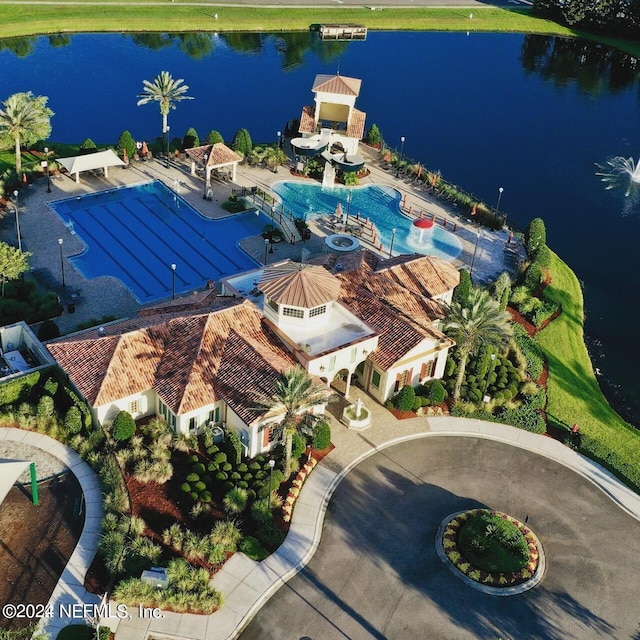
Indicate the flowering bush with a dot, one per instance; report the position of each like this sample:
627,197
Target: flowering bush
294,492
450,546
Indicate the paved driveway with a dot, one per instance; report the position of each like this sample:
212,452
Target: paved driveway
376,573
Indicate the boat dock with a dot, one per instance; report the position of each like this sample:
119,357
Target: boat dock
341,31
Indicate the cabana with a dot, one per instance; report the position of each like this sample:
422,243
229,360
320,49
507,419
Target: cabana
90,162
213,156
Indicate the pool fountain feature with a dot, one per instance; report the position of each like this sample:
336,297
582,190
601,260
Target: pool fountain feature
356,415
619,169
421,229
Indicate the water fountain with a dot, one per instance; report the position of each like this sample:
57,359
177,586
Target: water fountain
356,416
421,234
618,169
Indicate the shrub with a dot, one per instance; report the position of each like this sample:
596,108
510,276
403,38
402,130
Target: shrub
213,137
463,289
242,468
532,276
535,236
123,427
417,403
543,312
199,486
227,466
404,399
126,143
73,420
199,468
374,137
185,487
277,478
437,392
242,142
193,477
213,449
212,467
190,139
235,476
543,257
255,466
321,435
221,476
503,281
87,146
269,534
298,447
220,458
48,330
235,501
235,447
205,496
252,548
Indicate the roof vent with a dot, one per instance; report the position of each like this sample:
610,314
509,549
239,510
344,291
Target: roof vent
100,331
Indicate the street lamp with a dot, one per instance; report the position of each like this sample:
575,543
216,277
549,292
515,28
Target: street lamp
500,190
272,463
46,150
266,248
173,281
165,133
279,140
393,235
60,241
15,195
402,139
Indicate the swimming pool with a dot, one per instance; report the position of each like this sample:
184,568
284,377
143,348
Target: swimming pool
136,233
379,203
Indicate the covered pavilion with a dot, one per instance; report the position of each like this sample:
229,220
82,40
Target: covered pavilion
90,162
213,156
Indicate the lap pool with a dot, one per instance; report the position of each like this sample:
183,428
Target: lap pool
378,203
136,233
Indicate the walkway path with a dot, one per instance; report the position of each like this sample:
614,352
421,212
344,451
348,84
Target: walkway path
70,588
247,585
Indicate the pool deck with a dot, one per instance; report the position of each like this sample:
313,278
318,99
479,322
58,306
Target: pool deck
99,297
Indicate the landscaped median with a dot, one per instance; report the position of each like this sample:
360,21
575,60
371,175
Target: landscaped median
573,392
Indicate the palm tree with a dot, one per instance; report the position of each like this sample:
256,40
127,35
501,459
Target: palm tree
475,322
166,91
24,119
296,394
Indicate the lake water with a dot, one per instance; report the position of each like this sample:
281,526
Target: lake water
530,114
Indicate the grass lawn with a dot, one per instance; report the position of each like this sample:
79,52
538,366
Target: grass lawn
574,394
23,20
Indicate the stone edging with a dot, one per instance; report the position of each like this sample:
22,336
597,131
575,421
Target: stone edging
493,591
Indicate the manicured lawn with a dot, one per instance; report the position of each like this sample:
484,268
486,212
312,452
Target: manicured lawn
21,20
574,394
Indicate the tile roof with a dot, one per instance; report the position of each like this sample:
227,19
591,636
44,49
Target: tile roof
355,127
307,120
213,155
338,84
181,357
425,275
301,285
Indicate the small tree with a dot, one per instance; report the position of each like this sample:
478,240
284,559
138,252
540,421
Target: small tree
503,281
87,146
190,139
235,447
213,137
48,330
462,291
73,420
374,137
126,143
321,435
123,427
404,400
242,142
13,263
437,392
535,236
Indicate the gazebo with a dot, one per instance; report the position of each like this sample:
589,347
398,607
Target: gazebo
213,156
90,162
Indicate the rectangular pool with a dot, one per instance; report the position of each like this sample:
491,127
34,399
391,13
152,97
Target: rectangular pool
136,233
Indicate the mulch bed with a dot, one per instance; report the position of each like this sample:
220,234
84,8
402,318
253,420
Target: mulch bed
37,542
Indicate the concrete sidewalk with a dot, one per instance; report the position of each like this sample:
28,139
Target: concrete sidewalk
247,585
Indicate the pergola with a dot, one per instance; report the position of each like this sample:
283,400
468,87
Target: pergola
213,156
90,162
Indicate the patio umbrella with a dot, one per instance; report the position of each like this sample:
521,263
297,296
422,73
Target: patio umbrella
387,156
474,209
125,157
144,150
419,172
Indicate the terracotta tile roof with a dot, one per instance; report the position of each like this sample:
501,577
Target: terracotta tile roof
304,285
196,301
307,120
180,357
355,127
425,275
342,85
213,155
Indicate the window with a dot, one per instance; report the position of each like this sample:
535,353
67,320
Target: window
426,371
214,415
273,304
192,424
318,311
292,312
401,381
375,379
134,407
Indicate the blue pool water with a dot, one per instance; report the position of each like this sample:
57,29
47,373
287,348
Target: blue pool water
136,233
378,203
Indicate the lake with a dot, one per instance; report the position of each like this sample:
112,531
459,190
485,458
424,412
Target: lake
530,114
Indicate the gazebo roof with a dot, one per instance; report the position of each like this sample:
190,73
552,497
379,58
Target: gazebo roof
299,285
213,155
342,85
91,161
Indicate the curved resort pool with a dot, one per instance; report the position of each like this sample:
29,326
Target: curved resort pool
136,233
378,203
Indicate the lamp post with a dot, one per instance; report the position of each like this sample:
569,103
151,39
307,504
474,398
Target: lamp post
15,196
402,139
266,249
473,260
279,140
272,463
60,242
500,190
46,150
173,281
393,235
